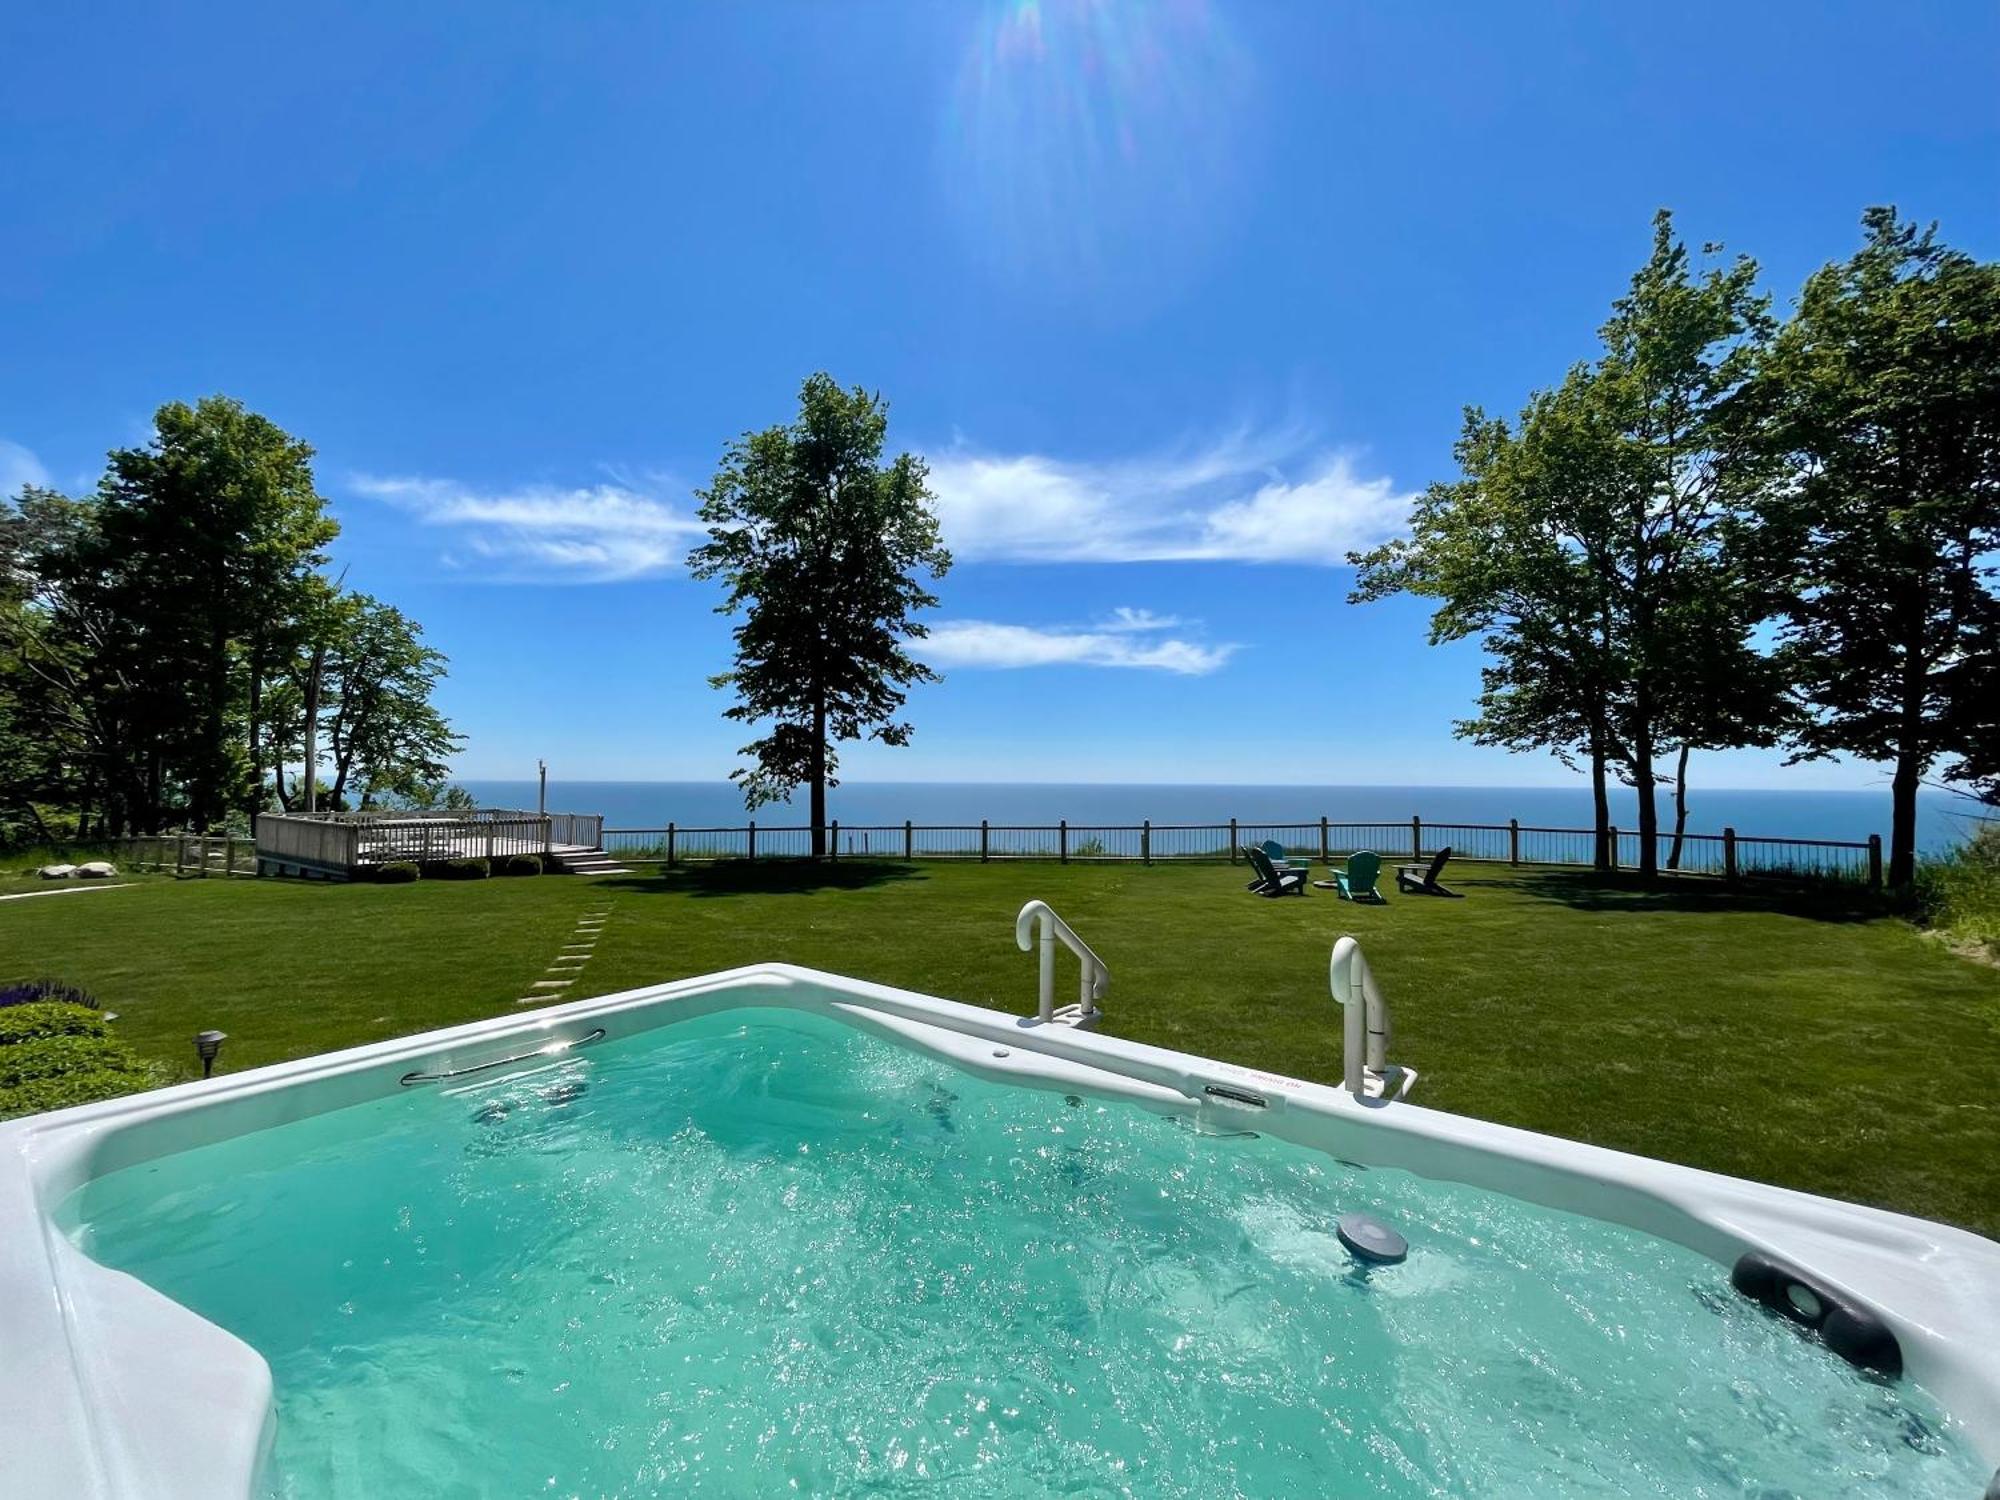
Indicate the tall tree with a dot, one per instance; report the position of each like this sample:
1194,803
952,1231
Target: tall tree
1593,545
212,532
823,547
1504,551
1883,390
1678,350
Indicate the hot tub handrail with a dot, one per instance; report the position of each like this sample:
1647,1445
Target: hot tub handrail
1096,976
1364,1053
549,1049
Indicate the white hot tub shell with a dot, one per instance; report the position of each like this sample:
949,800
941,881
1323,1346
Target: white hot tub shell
110,1389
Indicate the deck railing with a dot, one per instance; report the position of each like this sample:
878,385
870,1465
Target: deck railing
1726,855
339,844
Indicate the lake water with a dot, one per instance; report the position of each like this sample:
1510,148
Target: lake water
693,804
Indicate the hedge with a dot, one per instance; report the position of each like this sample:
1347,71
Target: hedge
521,864
397,872
46,1018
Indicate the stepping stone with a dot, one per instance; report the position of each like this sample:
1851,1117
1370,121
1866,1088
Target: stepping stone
551,984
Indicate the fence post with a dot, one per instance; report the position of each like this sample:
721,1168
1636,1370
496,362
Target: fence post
833,841
1729,855
1416,838
1325,847
229,854
1232,841
1874,861
548,840
670,846
1146,842
1062,841
982,841
490,836
180,852
201,853
1513,841
909,840
1611,846
753,841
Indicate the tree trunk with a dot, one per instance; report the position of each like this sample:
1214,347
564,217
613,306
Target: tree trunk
1903,820
1642,779
309,796
255,727
1680,810
1911,760
1600,799
818,808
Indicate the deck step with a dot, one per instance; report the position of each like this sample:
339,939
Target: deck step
574,859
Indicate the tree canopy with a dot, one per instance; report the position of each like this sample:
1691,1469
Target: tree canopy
152,635
1882,395
825,550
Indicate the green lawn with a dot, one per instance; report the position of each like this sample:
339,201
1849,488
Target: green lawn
1796,1039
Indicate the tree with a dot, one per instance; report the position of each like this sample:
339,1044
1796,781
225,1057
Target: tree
1593,546
71,684
821,545
209,535
362,680
1500,550
1678,351
383,733
1883,393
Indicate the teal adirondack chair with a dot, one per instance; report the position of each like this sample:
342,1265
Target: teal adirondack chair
1282,860
1357,881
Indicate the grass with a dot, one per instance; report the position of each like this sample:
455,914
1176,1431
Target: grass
1800,1038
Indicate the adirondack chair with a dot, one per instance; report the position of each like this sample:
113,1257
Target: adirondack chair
1357,881
1281,859
1422,880
1272,881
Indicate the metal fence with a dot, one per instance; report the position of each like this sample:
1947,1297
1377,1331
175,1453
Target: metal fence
1727,855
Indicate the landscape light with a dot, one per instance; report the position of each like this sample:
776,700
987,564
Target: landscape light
208,1043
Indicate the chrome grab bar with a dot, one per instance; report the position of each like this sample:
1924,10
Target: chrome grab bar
553,1049
1095,975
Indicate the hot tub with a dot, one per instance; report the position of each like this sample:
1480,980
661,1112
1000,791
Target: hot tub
775,1229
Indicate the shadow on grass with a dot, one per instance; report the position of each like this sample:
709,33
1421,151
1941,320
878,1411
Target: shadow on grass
791,877
1585,890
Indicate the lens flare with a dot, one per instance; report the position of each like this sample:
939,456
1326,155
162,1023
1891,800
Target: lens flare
1095,147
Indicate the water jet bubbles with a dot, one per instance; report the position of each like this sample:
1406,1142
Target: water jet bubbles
1095,150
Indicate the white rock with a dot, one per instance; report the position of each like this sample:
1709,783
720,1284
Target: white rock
57,872
97,869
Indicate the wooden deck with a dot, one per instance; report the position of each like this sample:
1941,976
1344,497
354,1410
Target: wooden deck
338,846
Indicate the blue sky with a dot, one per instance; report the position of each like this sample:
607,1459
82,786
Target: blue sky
1180,301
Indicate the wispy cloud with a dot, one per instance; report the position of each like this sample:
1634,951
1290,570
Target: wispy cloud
19,468
1245,498
594,533
1130,639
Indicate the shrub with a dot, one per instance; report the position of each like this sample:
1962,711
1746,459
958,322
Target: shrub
46,1018
1959,895
397,872
36,991
522,864
85,1086
53,1056
460,869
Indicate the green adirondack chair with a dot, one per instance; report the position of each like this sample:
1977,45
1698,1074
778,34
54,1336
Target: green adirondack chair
1357,881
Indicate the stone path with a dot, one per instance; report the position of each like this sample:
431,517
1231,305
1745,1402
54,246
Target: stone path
567,966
